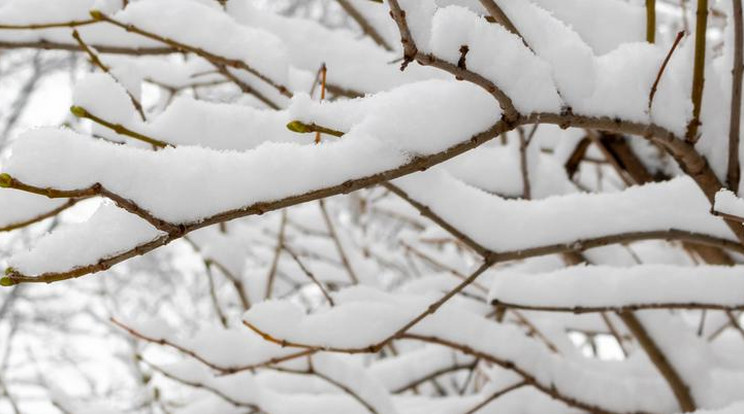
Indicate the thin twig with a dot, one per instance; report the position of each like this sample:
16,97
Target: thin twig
97,62
337,242
366,26
310,275
496,395
277,253
734,167
651,95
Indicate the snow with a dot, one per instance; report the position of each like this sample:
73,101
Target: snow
364,317
108,232
184,190
503,225
520,74
23,12
354,63
19,207
221,126
727,202
604,286
205,27
231,153
411,367
101,95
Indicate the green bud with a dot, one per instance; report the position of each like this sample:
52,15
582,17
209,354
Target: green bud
5,180
6,281
298,126
78,111
96,14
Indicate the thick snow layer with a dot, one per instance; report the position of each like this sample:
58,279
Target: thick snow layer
603,24
603,286
354,63
510,225
571,59
210,29
418,118
412,367
221,126
190,183
519,73
224,348
108,232
612,78
363,317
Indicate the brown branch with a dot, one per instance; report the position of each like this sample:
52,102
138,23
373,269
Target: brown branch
213,295
624,308
236,282
97,62
679,388
277,254
523,166
440,265
42,26
14,226
217,392
400,332
734,322
690,161
310,275
734,167
721,329
664,64
533,330
244,87
531,380
428,377
117,50
615,333
501,18
367,28
698,74
411,53
572,163
337,242
428,213
496,395
225,370
343,387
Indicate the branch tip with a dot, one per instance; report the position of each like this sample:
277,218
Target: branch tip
79,111
299,127
6,181
96,14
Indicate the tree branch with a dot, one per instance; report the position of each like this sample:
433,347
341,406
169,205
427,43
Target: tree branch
698,74
734,167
